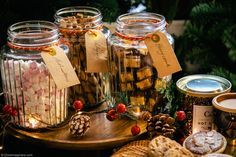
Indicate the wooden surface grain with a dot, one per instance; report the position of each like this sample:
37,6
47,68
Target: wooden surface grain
103,134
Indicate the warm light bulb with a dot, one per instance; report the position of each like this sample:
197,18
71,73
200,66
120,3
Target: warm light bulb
33,121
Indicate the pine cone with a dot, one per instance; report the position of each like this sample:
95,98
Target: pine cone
79,124
161,124
145,115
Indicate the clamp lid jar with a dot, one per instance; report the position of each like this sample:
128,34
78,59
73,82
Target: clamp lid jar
74,22
27,84
131,68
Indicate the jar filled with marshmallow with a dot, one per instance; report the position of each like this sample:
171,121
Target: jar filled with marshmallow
74,22
28,86
131,66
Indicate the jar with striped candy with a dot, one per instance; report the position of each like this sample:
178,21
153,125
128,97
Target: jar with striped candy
28,87
131,67
74,22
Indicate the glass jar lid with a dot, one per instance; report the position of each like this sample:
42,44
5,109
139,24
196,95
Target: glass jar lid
203,85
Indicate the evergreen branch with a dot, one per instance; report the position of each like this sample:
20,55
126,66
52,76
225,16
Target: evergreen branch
195,33
215,31
228,37
121,97
205,13
226,74
129,116
232,54
168,95
229,41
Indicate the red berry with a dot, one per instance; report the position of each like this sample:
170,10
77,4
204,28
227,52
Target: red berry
111,115
78,105
120,108
7,109
13,112
135,130
180,115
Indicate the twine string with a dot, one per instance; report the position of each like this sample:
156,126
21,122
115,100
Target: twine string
45,48
77,31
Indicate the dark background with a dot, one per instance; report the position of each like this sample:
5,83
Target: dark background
12,11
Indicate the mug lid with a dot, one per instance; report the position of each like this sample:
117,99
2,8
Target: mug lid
225,102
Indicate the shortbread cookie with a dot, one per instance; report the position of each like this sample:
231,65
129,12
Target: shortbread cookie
164,147
205,142
133,149
144,143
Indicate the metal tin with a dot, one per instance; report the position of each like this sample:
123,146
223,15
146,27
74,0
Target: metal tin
203,85
197,93
225,115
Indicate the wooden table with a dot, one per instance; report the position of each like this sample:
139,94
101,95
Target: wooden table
103,134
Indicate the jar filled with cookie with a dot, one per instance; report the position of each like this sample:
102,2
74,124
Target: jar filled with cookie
82,29
132,69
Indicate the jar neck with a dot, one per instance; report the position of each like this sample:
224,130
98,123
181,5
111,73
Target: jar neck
33,34
78,18
140,24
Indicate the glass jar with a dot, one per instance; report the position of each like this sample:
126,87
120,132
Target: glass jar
27,84
131,66
73,23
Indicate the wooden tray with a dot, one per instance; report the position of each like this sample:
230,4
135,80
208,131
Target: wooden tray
103,134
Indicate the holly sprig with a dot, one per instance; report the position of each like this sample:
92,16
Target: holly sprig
119,106
116,108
